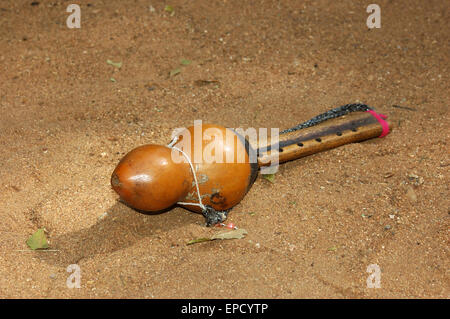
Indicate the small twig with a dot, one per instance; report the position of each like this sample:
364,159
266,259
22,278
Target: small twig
404,107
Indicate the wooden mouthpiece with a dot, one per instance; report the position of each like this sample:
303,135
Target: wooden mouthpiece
350,128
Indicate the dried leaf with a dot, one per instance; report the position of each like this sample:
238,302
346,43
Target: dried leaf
233,234
205,82
116,64
38,240
198,240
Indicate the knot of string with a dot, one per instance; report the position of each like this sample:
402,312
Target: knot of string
199,204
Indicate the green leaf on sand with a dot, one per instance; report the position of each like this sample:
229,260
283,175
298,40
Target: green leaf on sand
38,240
112,80
116,64
175,72
269,177
168,8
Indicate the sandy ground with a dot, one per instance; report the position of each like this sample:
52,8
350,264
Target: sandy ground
65,124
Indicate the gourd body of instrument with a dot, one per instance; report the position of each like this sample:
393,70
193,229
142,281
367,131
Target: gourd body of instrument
148,178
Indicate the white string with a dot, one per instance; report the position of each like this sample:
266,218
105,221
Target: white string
200,204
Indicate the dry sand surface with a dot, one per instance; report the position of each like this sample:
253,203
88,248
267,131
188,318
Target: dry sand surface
312,233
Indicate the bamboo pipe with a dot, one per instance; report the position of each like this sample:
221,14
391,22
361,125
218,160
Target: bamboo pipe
350,128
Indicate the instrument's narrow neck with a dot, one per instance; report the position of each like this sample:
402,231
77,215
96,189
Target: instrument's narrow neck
353,127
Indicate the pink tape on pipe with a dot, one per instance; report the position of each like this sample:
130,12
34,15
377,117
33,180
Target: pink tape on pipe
381,119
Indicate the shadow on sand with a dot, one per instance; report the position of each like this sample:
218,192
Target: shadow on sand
120,228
